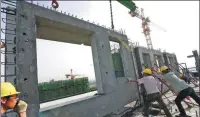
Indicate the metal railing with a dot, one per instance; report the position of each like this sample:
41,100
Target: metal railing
9,8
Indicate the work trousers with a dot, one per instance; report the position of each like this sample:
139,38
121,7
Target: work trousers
182,95
155,97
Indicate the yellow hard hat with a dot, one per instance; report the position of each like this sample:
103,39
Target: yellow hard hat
7,89
147,71
163,68
180,75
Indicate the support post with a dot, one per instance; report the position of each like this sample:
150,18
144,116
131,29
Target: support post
26,58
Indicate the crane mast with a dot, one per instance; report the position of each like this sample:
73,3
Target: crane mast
146,29
145,21
134,12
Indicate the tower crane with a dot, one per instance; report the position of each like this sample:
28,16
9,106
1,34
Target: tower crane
134,12
145,26
71,75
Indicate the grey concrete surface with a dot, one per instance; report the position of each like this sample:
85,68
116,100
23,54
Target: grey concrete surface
38,22
146,56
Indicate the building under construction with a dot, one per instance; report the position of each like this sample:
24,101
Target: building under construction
114,98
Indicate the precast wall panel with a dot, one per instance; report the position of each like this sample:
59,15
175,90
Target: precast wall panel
146,56
110,89
171,62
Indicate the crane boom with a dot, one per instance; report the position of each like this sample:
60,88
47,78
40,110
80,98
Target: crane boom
128,4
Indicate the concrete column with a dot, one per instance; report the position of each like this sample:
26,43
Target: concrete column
26,59
94,45
166,61
152,57
139,61
129,70
106,70
136,62
161,60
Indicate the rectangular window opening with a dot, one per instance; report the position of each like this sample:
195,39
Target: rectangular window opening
117,59
147,60
65,70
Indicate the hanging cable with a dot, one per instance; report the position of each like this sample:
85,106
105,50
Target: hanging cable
111,15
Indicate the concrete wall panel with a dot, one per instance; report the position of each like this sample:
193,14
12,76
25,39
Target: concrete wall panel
171,61
115,93
139,52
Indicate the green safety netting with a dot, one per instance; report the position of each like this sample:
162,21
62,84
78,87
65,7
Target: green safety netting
64,88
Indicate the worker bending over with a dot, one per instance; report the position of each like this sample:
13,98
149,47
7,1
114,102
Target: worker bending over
151,87
181,88
10,100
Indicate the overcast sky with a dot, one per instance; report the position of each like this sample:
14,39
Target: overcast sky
179,18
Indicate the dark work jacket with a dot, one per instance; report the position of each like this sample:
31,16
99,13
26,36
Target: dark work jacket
10,113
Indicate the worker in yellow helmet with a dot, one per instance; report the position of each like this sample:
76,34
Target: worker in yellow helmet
10,100
152,92
181,88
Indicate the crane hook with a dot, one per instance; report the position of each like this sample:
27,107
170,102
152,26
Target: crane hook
55,4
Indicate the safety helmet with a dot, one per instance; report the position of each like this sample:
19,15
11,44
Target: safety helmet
147,71
7,89
181,75
163,68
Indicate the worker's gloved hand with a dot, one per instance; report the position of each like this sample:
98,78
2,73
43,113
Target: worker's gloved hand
21,106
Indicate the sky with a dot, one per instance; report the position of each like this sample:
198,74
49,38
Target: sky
179,18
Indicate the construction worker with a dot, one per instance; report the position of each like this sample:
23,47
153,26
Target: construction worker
10,100
181,88
151,87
